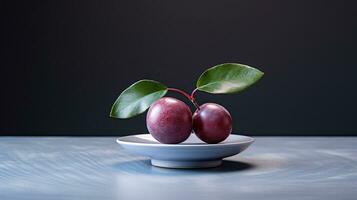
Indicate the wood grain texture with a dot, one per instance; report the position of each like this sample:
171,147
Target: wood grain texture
97,168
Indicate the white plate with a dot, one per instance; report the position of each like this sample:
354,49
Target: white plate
193,153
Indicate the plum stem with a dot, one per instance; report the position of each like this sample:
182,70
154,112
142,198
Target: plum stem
193,93
180,92
192,99
192,96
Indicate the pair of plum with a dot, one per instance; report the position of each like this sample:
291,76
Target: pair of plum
170,121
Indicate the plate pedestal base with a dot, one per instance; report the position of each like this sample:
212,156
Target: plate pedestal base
186,164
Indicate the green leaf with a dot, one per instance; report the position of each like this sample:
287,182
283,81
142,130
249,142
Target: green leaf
137,98
228,78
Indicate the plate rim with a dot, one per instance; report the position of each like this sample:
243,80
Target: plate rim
250,141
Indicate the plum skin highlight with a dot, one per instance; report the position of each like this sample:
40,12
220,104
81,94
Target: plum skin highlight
212,123
169,120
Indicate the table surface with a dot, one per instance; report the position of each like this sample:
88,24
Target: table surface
97,168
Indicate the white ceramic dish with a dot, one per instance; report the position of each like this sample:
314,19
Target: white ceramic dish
193,153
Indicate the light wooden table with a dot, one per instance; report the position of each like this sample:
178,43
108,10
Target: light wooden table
36,168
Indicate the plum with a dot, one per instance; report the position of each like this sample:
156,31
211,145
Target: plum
212,123
169,120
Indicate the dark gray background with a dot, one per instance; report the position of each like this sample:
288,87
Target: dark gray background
63,63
